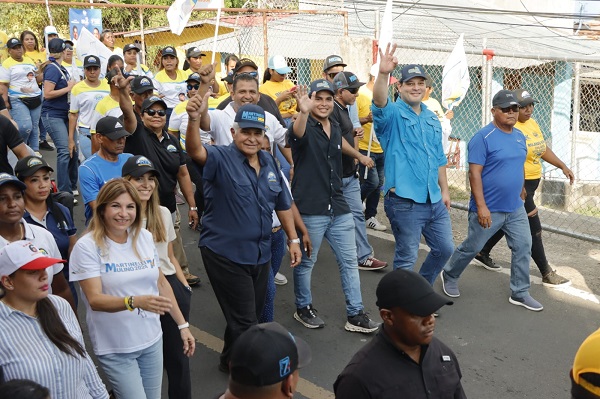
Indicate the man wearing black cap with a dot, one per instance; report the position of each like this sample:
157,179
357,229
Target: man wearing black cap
105,164
333,65
242,187
133,66
264,363
404,360
417,198
497,154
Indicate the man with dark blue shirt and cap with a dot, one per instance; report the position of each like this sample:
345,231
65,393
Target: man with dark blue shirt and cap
242,187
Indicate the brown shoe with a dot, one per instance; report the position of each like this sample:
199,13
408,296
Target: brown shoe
191,279
372,263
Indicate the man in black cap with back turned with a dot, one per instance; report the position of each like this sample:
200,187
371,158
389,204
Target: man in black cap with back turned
264,363
404,360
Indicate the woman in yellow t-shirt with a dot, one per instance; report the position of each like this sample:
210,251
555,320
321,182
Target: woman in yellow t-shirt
536,150
280,89
32,47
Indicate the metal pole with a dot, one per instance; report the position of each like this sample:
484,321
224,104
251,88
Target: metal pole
141,13
265,39
576,117
488,98
484,88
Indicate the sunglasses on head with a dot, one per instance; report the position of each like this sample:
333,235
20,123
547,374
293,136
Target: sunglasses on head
193,87
506,110
353,90
152,112
254,74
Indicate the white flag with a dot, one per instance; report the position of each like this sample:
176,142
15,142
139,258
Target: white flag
386,32
87,44
455,77
179,14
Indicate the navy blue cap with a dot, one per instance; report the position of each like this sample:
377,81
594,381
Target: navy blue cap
194,77
6,178
412,71
250,116
56,45
320,85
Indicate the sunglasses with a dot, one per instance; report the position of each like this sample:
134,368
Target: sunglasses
152,112
353,90
512,108
193,87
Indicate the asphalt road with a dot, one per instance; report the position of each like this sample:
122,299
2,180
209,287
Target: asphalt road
504,351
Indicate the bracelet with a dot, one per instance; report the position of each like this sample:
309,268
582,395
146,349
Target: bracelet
194,208
184,325
129,303
294,241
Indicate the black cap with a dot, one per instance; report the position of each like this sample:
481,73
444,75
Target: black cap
111,127
56,45
137,165
228,78
346,80
141,84
244,62
194,52
27,166
169,50
131,46
266,354
412,71
91,60
13,42
331,61
319,85
151,101
504,98
195,77
409,291
6,178
524,98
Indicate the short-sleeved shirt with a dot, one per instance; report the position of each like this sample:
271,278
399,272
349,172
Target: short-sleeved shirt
61,233
84,99
105,107
274,89
94,172
56,107
171,88
502,156
9,138
237,221
37,56
536,147
341,116
317,182
165,154
20,76
380,370
413,150
162,247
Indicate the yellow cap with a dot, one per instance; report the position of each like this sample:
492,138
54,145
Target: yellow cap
587,360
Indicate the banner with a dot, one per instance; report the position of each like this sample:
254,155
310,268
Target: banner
89,45
89,19
180,11
386,32
455,77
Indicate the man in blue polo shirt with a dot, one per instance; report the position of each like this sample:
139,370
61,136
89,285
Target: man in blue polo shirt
417,199
242,187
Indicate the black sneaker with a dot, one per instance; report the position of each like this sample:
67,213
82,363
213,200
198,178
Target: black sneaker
361,323
44,145
486,261
308,317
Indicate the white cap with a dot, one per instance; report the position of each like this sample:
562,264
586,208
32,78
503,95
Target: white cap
50,30
279,64
24,255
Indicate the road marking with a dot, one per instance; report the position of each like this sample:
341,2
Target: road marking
569,290
304,387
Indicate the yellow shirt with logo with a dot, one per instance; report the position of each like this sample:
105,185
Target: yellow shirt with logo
20,76
105,107
363,102
273,89
169,88
37,56
536,147
84,99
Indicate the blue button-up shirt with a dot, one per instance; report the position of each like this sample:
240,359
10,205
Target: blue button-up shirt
238,213
412,145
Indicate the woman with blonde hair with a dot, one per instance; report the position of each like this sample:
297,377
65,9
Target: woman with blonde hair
117,266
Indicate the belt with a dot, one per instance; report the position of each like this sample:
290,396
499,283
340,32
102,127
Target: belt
275,229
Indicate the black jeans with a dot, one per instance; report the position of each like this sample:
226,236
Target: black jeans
240,290
176,364
538,254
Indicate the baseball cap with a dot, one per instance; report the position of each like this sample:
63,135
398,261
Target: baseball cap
6,178
69,44
13,42
91,60
131,46
111,127
228,78
585,374
332,61
504,98
410,291
141,84
320,85
194,52
244,62
412,71
23,255
56,45
151,101
27,166
50,30
524,98
279,64
194,77
346,80
136,166
266,354
250,116
169,50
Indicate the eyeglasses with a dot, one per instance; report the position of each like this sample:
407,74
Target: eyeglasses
152,112
353,90
332,75
193,87
512,108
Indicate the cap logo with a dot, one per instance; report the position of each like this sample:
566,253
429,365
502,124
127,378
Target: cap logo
143,161
335,59
253,116
352,78
32,248
414,70
285,366
323,84
196,49
92,59
4,176
118,125
34,162
43,251
525,94
145,82
509,95
154,98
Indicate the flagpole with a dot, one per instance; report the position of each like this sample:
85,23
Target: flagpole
214,49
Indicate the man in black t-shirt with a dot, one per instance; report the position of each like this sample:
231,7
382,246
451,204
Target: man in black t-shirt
10,139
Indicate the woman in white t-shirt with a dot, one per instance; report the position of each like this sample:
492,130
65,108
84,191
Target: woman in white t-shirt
117,266
157,220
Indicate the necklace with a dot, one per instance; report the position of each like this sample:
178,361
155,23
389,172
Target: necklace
21,235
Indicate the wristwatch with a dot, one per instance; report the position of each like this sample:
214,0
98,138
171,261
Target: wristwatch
294,241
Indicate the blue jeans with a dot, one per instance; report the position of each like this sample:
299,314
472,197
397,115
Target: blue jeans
28,121
409,220
351,191
85,143
370,189
135,375
66,166
277,252
339,232
518,236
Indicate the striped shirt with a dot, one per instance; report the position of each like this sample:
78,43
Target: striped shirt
26,352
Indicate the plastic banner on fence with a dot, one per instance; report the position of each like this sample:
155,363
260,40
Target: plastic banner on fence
89,19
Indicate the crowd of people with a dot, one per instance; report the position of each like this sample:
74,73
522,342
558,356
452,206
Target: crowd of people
262,167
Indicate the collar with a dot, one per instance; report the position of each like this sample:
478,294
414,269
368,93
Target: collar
237,154
29,234
341,107
6,311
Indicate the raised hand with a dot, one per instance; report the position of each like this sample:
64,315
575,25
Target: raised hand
207,72
388,61
305,103
121,81
197,104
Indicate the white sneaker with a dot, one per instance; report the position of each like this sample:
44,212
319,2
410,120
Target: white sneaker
76,193
38,154
280,279
374,224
